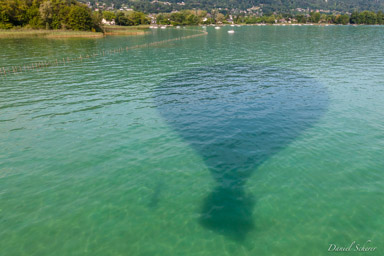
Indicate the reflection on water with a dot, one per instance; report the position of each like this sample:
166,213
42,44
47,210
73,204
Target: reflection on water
236,117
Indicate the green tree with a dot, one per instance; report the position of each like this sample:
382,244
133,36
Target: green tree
342,19
46,13
123,19
163,19
192,19
315,17
109,16
271,19
139,18
354,18
178,18
301,18
380,17
367,17
370,17
80,18
5,19
219,18
96,20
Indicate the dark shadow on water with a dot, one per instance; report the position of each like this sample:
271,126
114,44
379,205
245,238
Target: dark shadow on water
236,117
229,212
156,194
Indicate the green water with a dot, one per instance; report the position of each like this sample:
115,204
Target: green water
268,141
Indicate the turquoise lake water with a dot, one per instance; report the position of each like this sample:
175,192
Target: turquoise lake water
268,141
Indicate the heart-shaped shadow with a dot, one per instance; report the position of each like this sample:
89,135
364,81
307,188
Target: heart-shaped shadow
236,117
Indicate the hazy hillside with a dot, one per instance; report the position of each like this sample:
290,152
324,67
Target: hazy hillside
267,5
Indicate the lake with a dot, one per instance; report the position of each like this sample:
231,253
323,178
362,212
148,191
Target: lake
267,141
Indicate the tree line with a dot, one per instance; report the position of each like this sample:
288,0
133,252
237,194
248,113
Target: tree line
48,14
193,17
365,17
268,6
196,17
126,18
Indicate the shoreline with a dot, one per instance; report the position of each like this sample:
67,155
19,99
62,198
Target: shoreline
291,24
49,34
60,34
128,30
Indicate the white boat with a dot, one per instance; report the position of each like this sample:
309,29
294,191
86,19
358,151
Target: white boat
217,27
231,31
177,26
232,25
163,27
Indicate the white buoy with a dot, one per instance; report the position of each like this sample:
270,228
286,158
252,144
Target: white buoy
231,31
217,27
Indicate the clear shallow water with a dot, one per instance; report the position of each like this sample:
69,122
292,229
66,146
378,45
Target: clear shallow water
265,142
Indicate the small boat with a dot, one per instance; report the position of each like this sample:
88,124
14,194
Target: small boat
177,26
231,31
232,25
163,27
217,27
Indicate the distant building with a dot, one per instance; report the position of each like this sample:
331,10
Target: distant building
106,22
254,8
153,18
160,2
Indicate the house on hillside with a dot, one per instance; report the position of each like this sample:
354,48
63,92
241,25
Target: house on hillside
106,22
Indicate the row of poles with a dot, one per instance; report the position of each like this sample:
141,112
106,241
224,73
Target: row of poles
37,66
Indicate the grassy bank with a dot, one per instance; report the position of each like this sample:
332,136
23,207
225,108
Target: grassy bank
126,30
28,33
41,33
